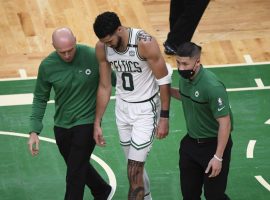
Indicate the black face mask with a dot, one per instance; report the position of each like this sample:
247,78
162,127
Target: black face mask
187,74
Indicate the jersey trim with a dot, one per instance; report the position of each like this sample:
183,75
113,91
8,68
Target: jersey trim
121,53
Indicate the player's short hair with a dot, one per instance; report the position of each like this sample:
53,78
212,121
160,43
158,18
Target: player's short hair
189,49
106,24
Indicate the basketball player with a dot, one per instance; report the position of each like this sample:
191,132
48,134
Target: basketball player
140,113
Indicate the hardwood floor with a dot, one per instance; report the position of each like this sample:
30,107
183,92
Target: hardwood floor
228,30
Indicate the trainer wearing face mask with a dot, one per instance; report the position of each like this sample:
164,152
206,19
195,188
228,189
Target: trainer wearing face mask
188,73
205,151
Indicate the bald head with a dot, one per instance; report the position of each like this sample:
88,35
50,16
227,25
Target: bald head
62,37
64,43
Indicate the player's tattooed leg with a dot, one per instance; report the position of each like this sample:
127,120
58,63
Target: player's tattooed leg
135,177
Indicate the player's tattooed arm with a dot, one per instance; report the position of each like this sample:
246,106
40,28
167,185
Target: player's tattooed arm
142,35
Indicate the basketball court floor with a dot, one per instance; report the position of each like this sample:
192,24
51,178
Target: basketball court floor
235,39
25,177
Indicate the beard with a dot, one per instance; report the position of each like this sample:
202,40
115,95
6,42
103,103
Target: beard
118,44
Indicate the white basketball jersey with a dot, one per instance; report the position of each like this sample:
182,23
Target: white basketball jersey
135,80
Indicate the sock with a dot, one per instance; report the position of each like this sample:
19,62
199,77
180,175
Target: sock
146,186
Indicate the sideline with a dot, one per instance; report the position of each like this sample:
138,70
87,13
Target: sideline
206,66
21,99
26,99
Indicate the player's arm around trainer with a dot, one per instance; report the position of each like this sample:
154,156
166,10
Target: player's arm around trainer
149,49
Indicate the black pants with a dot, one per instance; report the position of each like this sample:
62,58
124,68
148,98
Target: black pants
76,146
184,18
194,158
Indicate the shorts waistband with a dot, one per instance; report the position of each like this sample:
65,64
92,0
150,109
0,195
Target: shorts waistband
203,140
143,100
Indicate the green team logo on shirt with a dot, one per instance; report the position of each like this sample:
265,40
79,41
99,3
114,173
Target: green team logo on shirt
88,72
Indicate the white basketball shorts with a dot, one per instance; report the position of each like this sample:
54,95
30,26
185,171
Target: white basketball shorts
137,124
